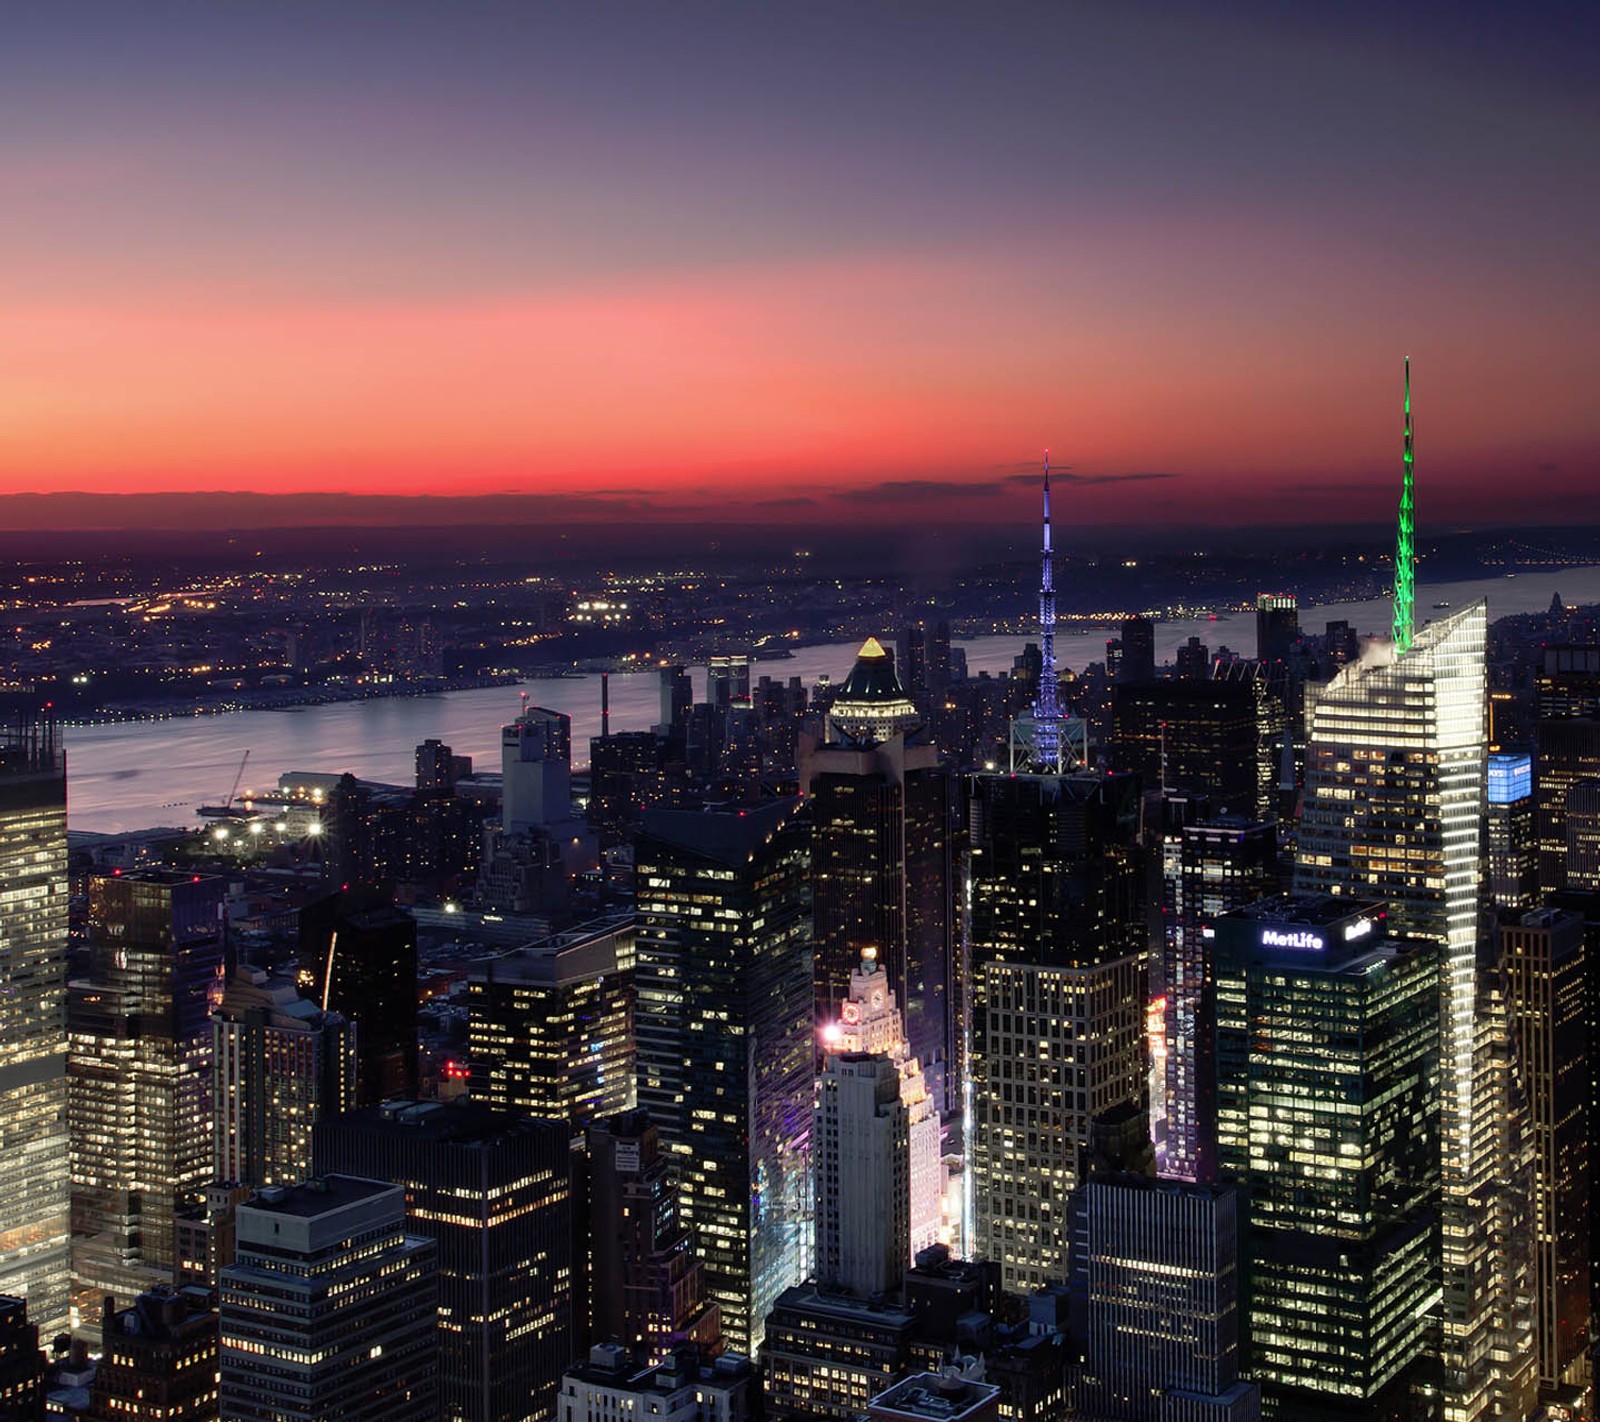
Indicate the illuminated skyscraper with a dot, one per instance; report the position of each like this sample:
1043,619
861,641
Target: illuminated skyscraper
1326,1061
727,1042
1393,809
1059,987
869,1021
280,1064
551,1025
883,864
34,1260
140,1064
1513,850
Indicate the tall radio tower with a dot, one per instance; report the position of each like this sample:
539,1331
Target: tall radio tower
1405,546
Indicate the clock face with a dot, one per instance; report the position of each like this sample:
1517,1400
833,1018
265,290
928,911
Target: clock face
877,999
852,1012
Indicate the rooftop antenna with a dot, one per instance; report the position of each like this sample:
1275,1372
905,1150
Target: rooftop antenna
1405,546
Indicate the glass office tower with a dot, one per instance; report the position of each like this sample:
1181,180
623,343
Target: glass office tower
34,1260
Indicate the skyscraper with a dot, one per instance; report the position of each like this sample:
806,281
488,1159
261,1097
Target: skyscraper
1059,983
1512,848
647,1283
861,1157
280,1064
551,1025
1158,1276
329,1286
726,1040
1138,650
870,1021
1326,1062
1218,738
358,957
1393,809
883,866
493,1192
1277,626
140,1064
1542,952
1210,867
35,1262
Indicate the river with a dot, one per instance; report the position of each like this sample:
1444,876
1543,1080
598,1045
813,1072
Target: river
135,775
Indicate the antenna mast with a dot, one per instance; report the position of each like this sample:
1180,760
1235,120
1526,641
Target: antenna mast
1047,705
1405,547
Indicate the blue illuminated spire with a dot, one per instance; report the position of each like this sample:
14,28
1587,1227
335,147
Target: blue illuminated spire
1047,705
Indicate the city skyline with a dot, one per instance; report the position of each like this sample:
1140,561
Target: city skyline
802,267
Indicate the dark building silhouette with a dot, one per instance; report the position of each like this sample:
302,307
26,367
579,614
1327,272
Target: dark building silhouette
358,957
646,1282
883,876
159,1359
1138,650
1543,958
494,1192
22,1364
623,772
1218,738
1277,626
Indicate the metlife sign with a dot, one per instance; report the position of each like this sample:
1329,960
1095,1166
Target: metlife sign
1293,938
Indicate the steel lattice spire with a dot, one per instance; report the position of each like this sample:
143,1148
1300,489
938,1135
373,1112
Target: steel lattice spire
1047,706
1405,547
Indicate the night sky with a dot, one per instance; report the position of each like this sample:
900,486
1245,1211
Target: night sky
807,261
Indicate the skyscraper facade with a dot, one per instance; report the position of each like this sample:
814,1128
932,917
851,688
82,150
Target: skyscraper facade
1326,1062
1158,1275
1057,953
861,1158
647,1283
493,1192
1277,626
358,957
1393,809
159,1359
328,1286
869,1021
1210,867
1543,957
140,1076
1217,738
279,1064
883,877
35,1261
726,1039
1511,845
551,1025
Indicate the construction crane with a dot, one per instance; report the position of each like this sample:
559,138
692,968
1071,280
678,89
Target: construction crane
225,810
243,760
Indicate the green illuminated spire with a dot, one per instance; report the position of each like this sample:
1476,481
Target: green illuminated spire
1405,547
